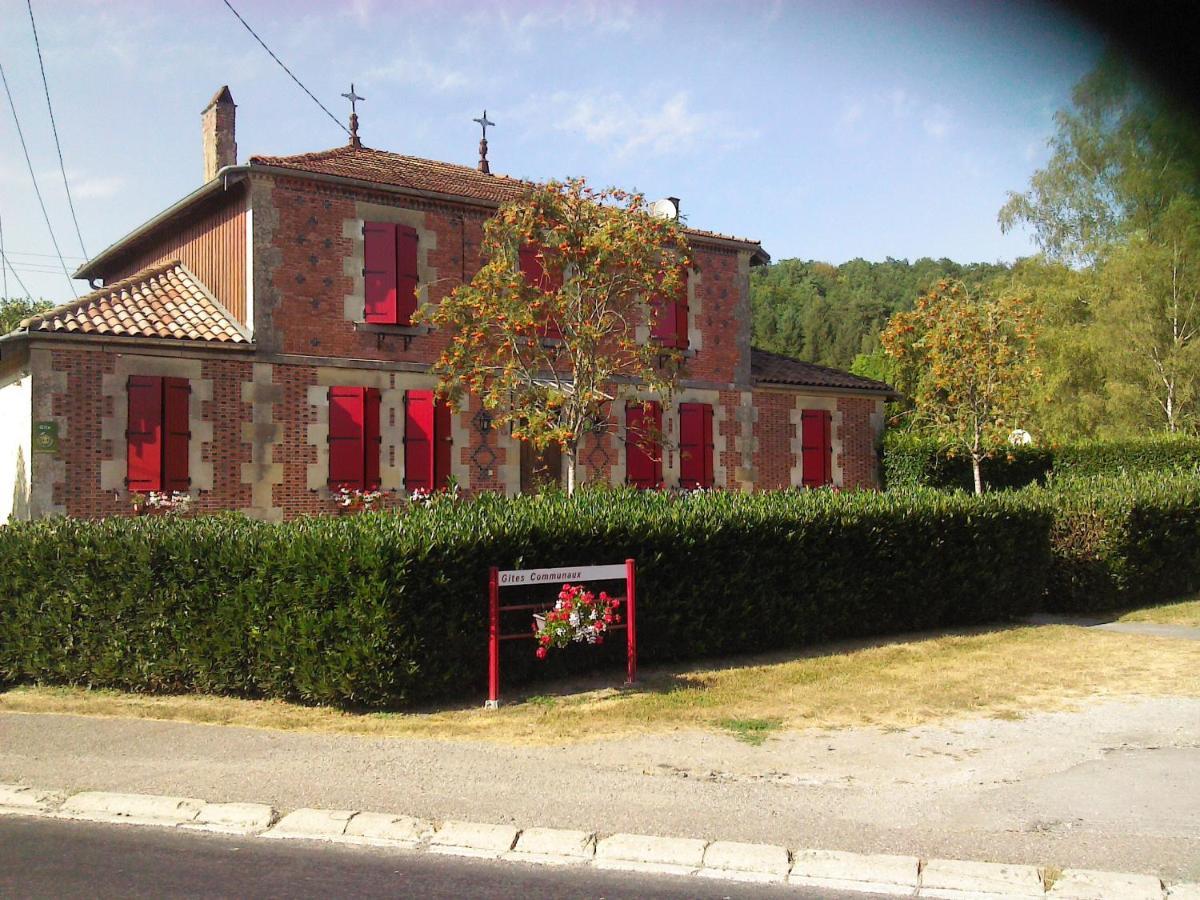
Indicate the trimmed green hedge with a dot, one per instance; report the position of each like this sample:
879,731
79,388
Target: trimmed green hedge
385,609
1123,540
915,461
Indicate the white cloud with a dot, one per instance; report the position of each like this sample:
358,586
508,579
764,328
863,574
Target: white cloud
937,122
636,126
417,71
520,32
902,103
851,115
99,187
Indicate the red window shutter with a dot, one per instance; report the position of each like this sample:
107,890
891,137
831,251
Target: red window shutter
536,276
643,448
347,419
707,444
406,273
418,440
176,435
681,312
144,437
816,448
443,443
695,446
671,319
372,439
379,273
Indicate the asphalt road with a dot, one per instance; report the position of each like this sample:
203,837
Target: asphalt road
47,858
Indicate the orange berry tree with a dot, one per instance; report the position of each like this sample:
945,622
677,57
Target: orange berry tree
556,325
968,364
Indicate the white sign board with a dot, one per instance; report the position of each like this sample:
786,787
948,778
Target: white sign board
564,575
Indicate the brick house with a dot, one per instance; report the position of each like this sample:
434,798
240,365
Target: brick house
250,345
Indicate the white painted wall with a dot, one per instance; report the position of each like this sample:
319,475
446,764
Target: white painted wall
16,427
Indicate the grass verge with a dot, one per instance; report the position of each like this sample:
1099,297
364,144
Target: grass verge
1002,673
1186,613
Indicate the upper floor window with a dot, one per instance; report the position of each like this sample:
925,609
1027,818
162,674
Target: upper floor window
389,273
671,316
530,260
158,434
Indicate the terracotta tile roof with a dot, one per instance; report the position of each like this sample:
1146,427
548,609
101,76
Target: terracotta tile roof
774,368
163,301
382,167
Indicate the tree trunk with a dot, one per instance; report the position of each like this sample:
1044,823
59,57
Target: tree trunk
975,470
572,463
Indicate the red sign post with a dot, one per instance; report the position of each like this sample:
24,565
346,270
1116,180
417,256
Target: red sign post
498,579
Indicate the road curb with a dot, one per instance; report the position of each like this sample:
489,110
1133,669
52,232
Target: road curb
17,800
130,809
725,860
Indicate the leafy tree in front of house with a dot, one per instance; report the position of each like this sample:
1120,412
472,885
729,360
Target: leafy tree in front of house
556,325
967,363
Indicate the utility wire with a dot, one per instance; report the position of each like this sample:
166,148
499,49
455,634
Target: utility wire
37,190
54,127
5,265
285,68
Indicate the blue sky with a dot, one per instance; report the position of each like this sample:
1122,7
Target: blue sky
827,130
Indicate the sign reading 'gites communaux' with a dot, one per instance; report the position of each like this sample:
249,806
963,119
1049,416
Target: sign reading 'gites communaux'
515,577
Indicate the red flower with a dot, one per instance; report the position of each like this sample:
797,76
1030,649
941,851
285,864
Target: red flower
541,652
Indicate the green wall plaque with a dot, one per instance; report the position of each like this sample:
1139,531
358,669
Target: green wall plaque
45,437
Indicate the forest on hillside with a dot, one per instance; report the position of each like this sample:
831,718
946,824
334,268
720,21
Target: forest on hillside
830,314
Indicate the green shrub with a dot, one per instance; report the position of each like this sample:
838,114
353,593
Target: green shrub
1122,540
916,461
1160,454
913,460
384,609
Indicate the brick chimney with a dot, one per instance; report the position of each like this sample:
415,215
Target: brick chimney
217,127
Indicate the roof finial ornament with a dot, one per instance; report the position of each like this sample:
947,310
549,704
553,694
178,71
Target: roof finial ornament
354,98
483,162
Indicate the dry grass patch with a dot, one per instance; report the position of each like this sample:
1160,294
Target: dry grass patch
1003,673
1185,613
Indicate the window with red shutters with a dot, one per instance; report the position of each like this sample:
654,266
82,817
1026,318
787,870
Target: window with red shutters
536,276
176,435
389,273
671,316
406,274
144,440
158,433
695,446
354,438
816,447
427,442
643,447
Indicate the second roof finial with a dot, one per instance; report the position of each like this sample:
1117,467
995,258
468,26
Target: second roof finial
483,162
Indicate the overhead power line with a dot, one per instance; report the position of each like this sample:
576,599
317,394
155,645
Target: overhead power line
37,190
285,68
5,265
54,128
